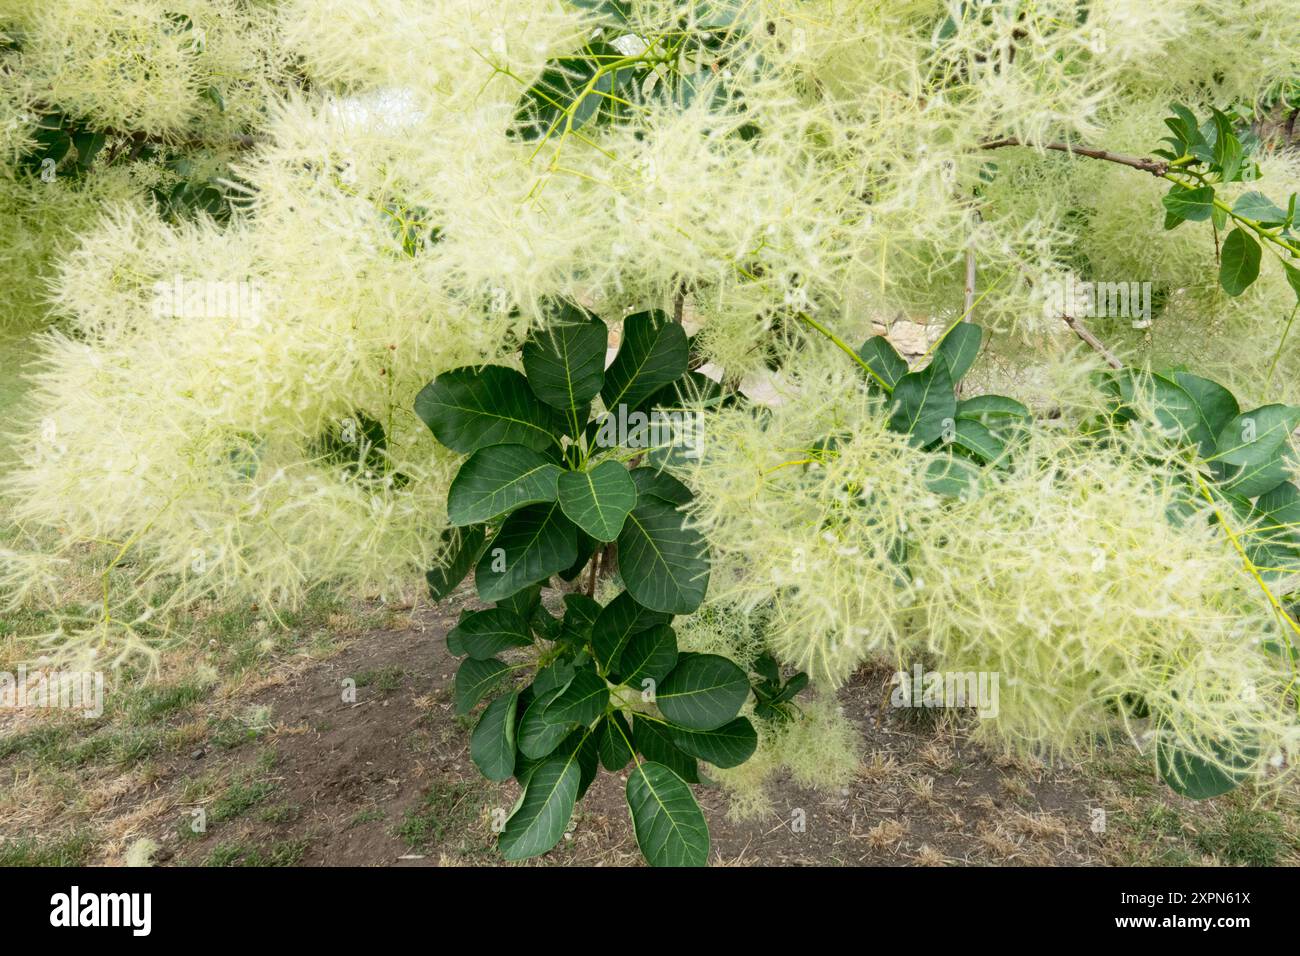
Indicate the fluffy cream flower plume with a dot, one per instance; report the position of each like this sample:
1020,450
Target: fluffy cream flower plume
1064,575
193,76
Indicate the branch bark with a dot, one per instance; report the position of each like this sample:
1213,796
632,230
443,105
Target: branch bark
968,304
1156,167
1095,343
679,301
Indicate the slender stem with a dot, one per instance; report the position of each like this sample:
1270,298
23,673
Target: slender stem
1268,235
591,581
968,303
844,347
1254,572
619,728
1097,345
968,299
1156,167
965,315
789,464
1278,354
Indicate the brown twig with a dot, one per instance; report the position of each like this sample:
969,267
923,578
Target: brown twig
1092,340
1156,167
968,303
968,300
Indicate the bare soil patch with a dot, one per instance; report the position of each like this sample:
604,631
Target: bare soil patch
274,765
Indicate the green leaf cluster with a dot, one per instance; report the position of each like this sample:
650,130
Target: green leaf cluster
1202,157
539,495
550,480
965,435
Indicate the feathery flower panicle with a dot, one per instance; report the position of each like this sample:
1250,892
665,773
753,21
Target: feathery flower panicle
147,66
1064,574
1067,577
41,221
814,534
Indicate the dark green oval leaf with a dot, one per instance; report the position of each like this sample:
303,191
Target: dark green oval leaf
533,543
598,501
670,828
925,407
565,362
1214,405
580,613
649,655
613,742
997,413
1278,539
498,479
541,815
1174,409
582,701
538,735
959,349
615,625
652,740
978,440
492,746
1192,776
1192,205
653,353
474,680
1254,436
883,359
1239,262
1255,451
485,634
465,545
659,484
703,692
663,561
951,476
554,677
729,746
467,409
1257,206
1293,278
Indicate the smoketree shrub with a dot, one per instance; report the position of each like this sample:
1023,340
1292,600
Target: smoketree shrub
834,156
546,489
